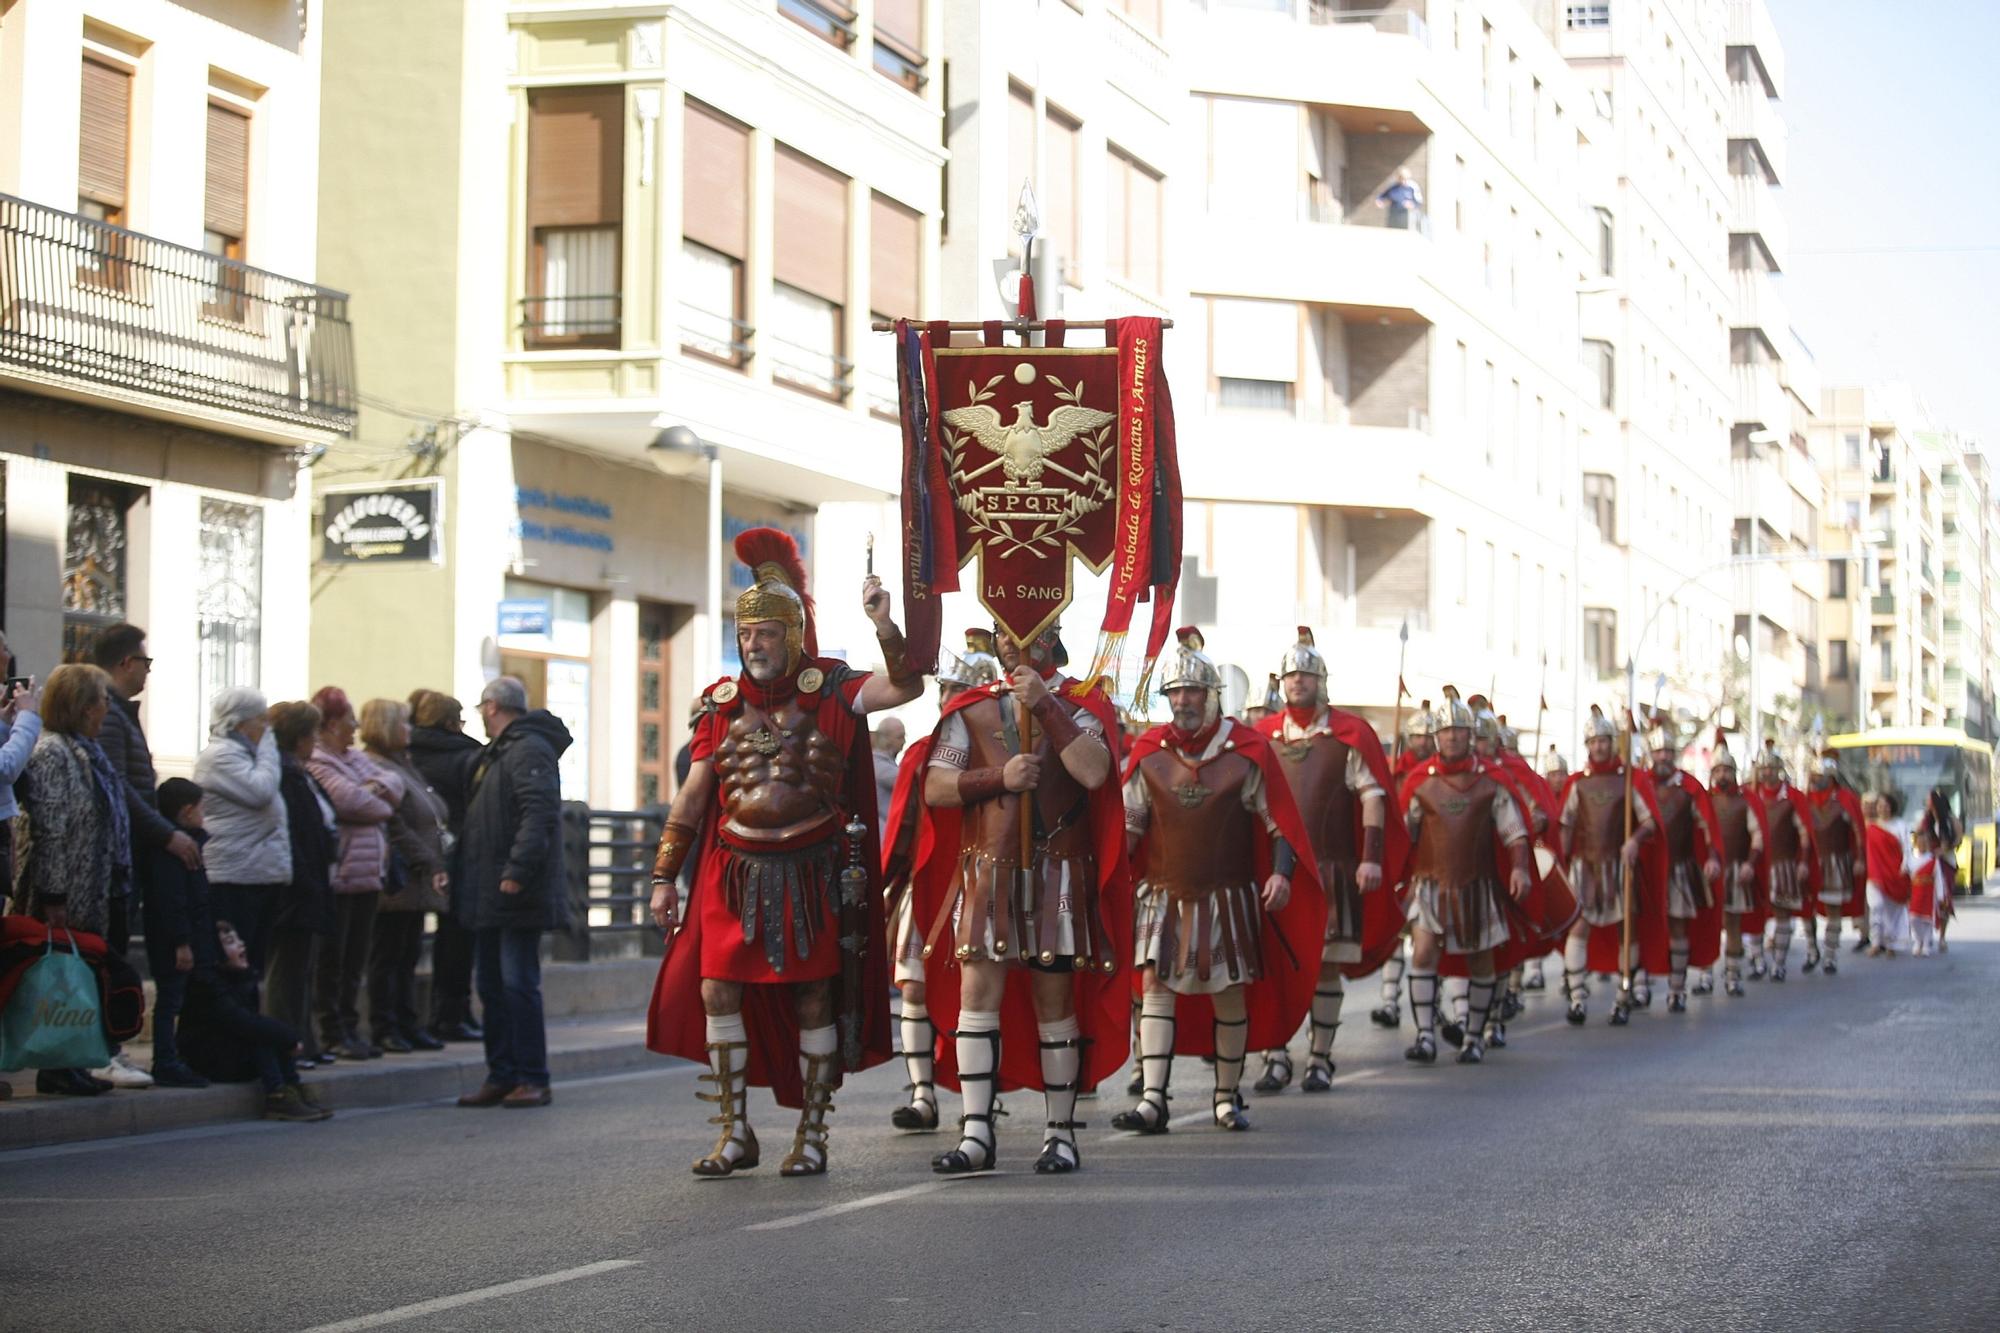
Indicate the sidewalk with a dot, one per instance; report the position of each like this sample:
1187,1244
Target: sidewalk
578,1048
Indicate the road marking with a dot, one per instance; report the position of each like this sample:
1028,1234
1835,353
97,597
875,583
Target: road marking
1885,1119
422,1308
852,1205
1859,1094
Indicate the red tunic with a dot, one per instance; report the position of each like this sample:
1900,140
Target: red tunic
1885,864
1857,900
1649,893
1705,930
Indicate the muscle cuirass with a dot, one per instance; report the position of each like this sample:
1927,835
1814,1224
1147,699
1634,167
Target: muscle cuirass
1198,839
781,775
1599,828
1316,768
1836,831
1677,818
1455,837
1784,829
1062,806
1732,815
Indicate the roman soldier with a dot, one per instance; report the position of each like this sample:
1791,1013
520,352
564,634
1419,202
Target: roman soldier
1418,744
1739,828
1021,892
1544,816
1465,823
783,933
1339,779
1416,747
1608,821
955,675
1792,875
1693,843
1227,882
1841,832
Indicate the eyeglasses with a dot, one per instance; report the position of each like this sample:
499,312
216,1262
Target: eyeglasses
141,660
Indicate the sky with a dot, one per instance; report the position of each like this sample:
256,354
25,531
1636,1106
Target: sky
1893,195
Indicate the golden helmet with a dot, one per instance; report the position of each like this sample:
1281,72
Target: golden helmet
777,591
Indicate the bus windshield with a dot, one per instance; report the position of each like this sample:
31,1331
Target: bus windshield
1907,772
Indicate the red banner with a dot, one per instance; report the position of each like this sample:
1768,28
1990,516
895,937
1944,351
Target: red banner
1132,569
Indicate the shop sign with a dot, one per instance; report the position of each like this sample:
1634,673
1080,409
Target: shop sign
392,523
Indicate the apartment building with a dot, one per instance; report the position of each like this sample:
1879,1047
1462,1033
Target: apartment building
1967,508
1885,633
1656,323
168,365
634,217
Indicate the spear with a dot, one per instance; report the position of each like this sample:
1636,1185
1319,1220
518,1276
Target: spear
1402,658
1625,867
1542,706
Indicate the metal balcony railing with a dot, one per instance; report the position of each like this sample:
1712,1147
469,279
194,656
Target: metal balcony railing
84,300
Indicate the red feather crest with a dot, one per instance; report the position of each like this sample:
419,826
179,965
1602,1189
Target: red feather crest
761,547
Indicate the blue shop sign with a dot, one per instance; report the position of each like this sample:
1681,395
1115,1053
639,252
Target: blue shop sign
526,615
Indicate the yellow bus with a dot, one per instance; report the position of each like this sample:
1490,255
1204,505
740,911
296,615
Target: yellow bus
1909,762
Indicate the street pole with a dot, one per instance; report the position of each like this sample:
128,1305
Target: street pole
712,656
1756,732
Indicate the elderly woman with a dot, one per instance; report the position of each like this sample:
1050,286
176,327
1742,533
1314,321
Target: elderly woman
249,850
72,840
418,842
362,816
305,909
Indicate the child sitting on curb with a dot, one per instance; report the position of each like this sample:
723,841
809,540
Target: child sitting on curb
224,1037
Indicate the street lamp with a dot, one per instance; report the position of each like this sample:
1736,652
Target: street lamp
681,440
1758,439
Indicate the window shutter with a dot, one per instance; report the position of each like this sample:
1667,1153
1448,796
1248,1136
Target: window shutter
901,24
1059,198
226,206
576,151
105,134
715,182
894,252
811,226
1254,340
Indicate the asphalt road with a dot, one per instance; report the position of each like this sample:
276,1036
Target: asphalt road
1823,1154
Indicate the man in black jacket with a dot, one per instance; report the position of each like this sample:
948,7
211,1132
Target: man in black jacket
508,887
444,754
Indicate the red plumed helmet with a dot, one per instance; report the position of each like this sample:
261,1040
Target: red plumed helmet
777,589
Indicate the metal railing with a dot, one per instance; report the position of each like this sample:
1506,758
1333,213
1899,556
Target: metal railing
1401,22
810,368
716,336
86,300
608,867
572,321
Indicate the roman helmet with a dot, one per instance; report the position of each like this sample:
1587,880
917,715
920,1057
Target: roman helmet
1274,695
1304,658
777,591
1190,668
1658,733
1769,762
979,666
1720,758
1419,723
1485,722
1510,737
1597,724
1451,712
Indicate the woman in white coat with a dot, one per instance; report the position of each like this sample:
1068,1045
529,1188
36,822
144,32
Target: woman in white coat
249,848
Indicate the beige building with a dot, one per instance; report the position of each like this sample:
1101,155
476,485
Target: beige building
1966,531
168,367
636,217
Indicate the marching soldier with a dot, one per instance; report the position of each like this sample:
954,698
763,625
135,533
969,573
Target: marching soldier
1841,831
1694,865
1793,863
1600,854
1739,824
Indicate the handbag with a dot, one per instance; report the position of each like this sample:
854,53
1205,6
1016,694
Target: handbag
54,1020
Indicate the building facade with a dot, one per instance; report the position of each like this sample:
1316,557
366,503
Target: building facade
168,365
644,217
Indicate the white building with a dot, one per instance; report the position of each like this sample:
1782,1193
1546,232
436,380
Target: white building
166,361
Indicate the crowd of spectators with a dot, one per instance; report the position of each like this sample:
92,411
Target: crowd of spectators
282,892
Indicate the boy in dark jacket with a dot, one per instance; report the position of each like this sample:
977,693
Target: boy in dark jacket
230,1042
180,935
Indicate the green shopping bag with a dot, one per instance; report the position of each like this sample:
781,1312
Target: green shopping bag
52,1019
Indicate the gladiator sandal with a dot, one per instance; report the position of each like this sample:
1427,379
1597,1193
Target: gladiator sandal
1574,991
1059,1151
977,1086
1701,981
808,1154
1323,1027
1478,1008
1642,989
918,1038
1228,1102
1389,1013
1621,1008
729,1070
1532,979
1150,1115
1423,1008
1277,1072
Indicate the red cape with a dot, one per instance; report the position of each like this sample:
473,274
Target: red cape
1103,1002
1384,911
896,858
1885,864
1705,931
1649,931
1800,803
1752,922
1278,1004
1857,901
675,1022
1536,922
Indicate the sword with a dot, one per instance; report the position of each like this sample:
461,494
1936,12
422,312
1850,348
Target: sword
853,938
1278,934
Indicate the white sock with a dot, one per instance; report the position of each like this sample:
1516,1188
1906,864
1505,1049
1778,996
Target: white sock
1455,989
1327,1000
1392,980
729,1027
919,1039
1156,1049
1677,963
1479,1003
1576,958
977,1044
1062,1069
1423,1000
1781,942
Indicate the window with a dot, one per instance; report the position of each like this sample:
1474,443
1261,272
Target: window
1458,195
226,208
576,178
229,597
715,235
1059,191
1600,639
828,20
895,250
1253,353
899,41
1144,14
103,151
1605,234
1464,564
1133,196
96,560
1253,157
1464,391
1491,403
1600,503
1492,597
1850,449
808,343
1602,358
1253,395
1836,659
1587,16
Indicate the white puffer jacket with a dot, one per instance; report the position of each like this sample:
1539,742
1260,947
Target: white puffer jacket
249,841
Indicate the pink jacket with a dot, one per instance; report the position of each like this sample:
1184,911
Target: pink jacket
362,818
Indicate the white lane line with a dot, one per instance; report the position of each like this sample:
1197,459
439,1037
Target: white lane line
852,1205
422,1308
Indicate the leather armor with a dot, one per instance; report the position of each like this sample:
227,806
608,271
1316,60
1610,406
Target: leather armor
1677,818
1199,835
1785,840
1316,768
1455,840
1062,807
781,775
1835,829
1599,828
1732,816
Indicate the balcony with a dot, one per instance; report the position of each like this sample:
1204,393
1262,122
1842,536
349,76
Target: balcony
1752,115
1882,604
1760,399
1140,64
1750,25
1768,587
1378,58
1762,493
1250,456
1359,268
96,311
1759,209
1759,306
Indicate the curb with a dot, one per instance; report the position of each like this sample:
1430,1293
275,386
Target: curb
578,1050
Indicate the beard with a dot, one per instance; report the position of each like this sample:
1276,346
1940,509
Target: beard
1191,719
761,668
